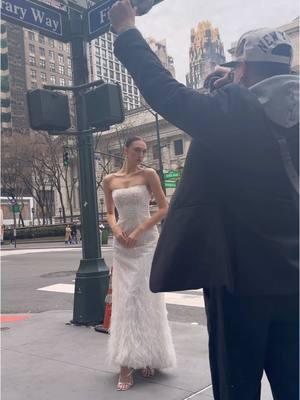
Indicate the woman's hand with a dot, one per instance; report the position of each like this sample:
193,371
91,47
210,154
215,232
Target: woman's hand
120,235
133,238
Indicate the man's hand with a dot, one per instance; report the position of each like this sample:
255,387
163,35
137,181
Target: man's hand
122,15
226,76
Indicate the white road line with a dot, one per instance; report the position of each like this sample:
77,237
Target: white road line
179,299
59,288
5,253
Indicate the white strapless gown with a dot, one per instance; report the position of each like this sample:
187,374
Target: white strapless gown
140,335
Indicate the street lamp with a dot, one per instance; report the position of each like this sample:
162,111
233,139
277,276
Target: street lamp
33,211
60,211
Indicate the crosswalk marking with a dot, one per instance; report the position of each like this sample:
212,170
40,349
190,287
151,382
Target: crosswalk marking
48,250
180,299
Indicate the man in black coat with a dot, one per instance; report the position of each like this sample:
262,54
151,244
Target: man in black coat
232,227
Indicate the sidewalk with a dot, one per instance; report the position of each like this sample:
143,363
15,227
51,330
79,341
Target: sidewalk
45,359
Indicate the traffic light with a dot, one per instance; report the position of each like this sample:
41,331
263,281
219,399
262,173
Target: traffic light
66,157
48,110
104,106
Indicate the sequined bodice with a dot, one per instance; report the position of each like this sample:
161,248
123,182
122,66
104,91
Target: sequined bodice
132,204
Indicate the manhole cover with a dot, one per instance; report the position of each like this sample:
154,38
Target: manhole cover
59,274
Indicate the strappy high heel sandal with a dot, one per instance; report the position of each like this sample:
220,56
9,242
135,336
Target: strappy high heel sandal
122,386
148,372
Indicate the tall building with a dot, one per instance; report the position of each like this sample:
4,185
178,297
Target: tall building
5,89
160,49
206,51
104,65
13,81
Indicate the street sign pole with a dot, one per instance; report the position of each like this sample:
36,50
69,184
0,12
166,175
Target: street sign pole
92,276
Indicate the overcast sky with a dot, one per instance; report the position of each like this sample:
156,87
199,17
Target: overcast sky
173,20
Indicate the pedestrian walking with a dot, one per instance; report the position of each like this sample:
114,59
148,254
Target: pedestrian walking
140,336
232,226
74,233
68,235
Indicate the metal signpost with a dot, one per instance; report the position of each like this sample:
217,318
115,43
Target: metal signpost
76,25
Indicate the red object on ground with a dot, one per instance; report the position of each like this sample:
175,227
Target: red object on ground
13,318
104,328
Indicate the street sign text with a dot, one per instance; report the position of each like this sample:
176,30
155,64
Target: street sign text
34,15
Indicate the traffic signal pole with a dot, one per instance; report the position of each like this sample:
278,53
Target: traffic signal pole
92,276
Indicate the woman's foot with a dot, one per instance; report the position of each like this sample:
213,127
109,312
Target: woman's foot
125,379
148,372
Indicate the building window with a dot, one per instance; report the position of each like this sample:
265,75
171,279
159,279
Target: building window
123,78
60,58
155,152
97,51
117,66
98,60
31,48
32,60
98,71
31,36
42,52
61,69
104,63
52,79
51,43
52,67
42,63
33,85
124,87
68,48
62,81
123,69
104,53
103,43
42,39
109,36
135,90
111,74
129,80
105,72
70,82
130,89
33,73
51,55
178,147
111,65
60,46
70,72
118,76
69,62
43,76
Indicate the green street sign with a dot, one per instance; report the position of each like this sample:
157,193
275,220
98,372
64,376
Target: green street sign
173,174
15,208
170,184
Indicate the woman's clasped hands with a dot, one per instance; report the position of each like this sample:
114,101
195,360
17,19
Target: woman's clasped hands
127,240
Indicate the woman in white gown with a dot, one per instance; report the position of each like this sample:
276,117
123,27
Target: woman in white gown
140,336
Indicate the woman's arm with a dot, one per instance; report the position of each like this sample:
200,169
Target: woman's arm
153,183
111,216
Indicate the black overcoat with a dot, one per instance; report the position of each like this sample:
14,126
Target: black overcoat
233,221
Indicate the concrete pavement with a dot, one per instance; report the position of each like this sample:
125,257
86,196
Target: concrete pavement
45,358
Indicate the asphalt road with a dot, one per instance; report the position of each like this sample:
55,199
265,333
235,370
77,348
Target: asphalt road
24,274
